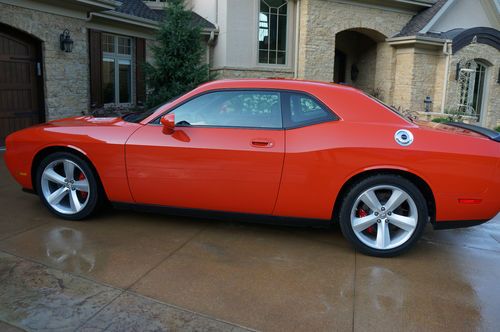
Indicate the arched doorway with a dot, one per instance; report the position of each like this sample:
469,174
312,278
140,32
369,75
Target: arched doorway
356,57
21,83
472,76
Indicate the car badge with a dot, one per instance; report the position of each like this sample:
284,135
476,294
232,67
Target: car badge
403,137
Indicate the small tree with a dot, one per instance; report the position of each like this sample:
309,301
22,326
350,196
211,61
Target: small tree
177,54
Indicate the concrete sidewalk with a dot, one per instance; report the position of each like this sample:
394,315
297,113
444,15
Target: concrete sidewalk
130,271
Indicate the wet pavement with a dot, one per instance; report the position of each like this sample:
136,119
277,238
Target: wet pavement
123,270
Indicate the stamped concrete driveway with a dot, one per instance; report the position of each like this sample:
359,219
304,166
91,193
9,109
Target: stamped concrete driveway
130,271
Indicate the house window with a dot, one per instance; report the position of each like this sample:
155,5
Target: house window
273,31
472,84
116,69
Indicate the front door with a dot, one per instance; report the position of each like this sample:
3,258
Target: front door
225,154
20,74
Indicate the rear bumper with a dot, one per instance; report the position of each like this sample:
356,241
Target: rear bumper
462,223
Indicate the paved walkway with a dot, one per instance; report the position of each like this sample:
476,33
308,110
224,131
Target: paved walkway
131,271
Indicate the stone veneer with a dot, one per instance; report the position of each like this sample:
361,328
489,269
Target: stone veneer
418,73
235,73
489,56
66,75
321,20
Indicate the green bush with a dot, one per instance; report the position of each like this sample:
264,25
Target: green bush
498,129
441,120
177,53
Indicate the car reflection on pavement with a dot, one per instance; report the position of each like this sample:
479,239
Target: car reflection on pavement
65,248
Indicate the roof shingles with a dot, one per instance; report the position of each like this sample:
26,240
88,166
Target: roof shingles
419,21
139,9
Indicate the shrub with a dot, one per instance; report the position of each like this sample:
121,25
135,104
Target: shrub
177,55
498,129
440,120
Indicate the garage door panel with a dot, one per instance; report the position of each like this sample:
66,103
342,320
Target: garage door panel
20,104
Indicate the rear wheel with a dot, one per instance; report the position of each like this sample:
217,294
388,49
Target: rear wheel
67,186
383,215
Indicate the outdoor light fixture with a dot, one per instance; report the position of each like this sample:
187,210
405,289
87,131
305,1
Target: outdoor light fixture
66,42
428,103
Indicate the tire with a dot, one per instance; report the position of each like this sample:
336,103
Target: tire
383,215
68,186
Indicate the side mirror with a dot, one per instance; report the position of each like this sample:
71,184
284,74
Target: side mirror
168,122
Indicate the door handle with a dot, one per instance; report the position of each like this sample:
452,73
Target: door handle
262,143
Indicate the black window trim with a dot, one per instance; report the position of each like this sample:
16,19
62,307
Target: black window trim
287,112
284,95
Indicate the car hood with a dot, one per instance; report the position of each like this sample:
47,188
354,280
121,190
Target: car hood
79,121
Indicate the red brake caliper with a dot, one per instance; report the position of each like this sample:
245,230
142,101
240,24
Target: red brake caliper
362,213
82,193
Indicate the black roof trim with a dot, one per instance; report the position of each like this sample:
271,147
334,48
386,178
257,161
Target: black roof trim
491,134
488,36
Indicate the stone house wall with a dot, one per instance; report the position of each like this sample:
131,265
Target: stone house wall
424,77
66,75
403,79
235,73
321,20
489,56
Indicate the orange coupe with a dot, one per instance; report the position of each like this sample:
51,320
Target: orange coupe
270,150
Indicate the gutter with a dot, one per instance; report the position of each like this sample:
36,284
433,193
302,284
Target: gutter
125,18
105,4
142,22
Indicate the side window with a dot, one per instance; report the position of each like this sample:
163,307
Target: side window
252,109
306,110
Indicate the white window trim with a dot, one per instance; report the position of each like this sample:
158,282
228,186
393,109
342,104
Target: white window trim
485,92
288,41
484,101
117,57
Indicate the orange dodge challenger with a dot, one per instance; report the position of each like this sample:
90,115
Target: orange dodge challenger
284,151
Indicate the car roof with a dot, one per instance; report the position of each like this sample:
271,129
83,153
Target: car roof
273,83
345,101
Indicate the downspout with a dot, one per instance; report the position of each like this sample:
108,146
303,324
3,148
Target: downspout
297,37
217,13
447,53
210,44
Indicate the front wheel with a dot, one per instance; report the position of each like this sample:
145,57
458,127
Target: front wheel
383,215
67,186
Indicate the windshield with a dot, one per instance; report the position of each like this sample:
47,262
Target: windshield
137,117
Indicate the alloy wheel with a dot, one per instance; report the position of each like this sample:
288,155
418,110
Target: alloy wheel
65,186
384,217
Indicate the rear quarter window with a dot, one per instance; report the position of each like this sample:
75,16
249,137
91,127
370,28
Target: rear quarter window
302,109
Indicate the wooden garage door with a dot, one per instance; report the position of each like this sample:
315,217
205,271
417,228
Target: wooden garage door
20,95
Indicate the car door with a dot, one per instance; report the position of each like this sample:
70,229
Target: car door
226,153
311,165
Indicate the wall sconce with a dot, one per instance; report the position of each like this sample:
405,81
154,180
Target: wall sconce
428,104
66,43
